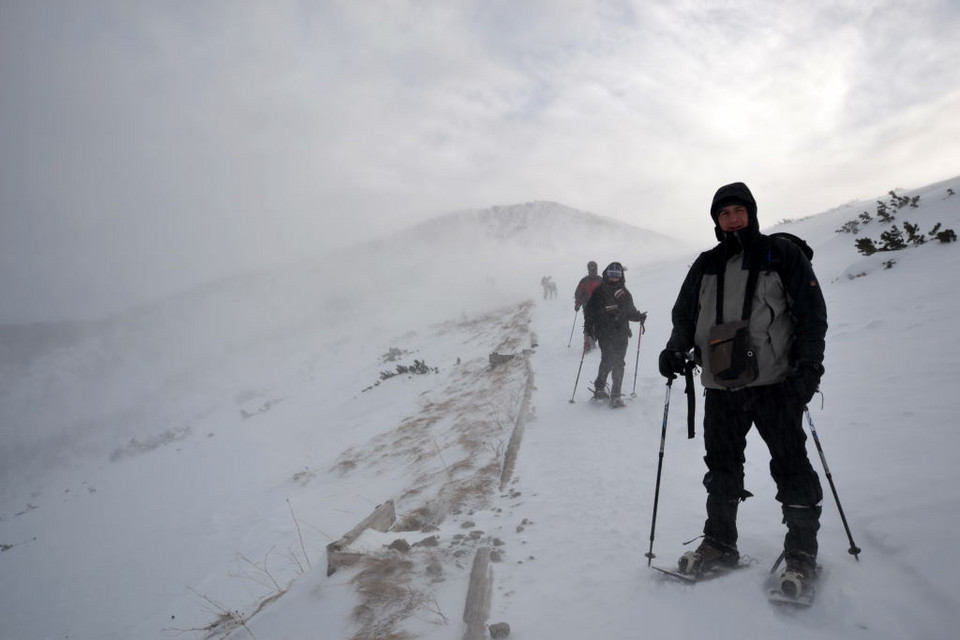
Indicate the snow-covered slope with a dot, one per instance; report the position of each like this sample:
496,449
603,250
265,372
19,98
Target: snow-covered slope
201,453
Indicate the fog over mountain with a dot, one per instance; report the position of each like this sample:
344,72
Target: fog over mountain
63,383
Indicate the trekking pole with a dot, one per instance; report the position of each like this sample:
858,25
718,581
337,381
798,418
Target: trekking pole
582,355
854,550
656,494
636,365
570,341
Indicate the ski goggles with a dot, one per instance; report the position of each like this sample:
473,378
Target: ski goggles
614,273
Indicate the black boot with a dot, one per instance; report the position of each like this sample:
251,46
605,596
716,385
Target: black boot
719,546
708,556
803,523
600,390
615,383
721,524
799,549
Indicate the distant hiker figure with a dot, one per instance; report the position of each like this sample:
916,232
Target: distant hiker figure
549,287
582,294
607,316
754,316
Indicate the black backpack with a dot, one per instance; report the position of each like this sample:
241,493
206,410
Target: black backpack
800,242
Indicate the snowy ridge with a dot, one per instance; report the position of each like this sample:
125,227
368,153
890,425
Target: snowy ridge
253,442
550,223
533,224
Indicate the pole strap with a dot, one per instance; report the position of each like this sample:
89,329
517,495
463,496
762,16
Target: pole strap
690,390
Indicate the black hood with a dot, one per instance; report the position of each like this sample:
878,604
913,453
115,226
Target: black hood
735,193
615,266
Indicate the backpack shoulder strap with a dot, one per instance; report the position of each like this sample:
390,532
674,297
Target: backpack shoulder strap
752,278
721,266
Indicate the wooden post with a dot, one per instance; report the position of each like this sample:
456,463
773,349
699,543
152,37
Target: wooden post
381,519
477,609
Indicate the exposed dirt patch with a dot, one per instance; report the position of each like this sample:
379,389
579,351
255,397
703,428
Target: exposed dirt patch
453,452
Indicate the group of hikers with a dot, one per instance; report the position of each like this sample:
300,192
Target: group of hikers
607,311
751,315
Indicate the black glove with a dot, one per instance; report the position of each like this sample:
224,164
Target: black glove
643,317
672,362
576,306
804,383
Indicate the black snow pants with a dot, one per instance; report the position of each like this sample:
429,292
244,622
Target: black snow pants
728,416
613,352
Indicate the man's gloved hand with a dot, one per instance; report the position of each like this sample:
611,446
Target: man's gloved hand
805,382
643,317
576,307
672,362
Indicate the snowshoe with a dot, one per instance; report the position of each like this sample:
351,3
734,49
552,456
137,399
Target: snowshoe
716,571
616,402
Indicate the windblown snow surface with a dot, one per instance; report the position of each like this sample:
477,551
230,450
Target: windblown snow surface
179,470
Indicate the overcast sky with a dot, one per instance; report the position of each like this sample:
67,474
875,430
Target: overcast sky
149,146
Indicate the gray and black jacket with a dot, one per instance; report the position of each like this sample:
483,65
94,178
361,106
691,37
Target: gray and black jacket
788,317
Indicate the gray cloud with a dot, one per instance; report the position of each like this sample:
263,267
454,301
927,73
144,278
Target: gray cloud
150,146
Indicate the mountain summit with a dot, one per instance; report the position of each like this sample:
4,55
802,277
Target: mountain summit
538,223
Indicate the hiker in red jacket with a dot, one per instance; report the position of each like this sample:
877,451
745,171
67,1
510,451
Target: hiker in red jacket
581,296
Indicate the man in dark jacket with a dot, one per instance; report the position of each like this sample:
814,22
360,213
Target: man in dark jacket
752,311
582,293
606,317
